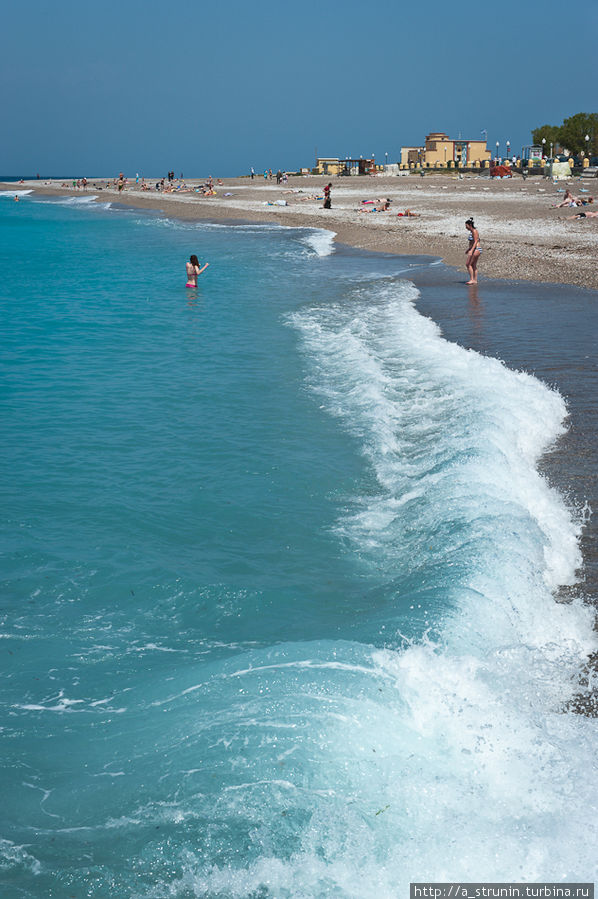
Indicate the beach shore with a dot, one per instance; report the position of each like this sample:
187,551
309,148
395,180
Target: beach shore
522,236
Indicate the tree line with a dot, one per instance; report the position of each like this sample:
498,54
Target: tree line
571,135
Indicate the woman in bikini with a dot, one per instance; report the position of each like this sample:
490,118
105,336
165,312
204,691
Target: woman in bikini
472,253
193,270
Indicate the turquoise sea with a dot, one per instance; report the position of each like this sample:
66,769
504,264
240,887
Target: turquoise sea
279,564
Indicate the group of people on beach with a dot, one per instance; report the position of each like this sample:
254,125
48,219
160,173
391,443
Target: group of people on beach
281,177
570,200
169,184
76,184
382,204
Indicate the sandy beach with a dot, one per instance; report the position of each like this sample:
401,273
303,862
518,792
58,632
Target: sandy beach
522,235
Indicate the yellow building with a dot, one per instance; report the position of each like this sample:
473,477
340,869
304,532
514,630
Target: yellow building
440,151
329,165
411,155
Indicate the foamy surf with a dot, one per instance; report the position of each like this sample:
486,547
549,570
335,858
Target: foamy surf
77,201
11,194
86,202
451,754
320,241
475,735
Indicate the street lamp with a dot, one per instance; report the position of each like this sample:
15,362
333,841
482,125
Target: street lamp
508,148
543,146
587,140
386,159
497,146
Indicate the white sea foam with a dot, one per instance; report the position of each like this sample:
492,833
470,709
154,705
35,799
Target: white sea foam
453,758
16,857
61,703
77,201
180,225
11,194
320,241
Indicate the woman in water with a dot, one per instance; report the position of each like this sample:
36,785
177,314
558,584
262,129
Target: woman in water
472,253
193,270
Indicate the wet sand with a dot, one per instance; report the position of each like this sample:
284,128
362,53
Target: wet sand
522,236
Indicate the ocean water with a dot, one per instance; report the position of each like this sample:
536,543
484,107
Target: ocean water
278,576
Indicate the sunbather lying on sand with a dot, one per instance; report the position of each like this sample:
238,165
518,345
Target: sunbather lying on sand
409,214
570,200
379,202
584,215
384,207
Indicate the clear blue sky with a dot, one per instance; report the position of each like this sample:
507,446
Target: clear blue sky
94,88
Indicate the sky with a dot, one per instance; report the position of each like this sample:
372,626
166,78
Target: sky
94,88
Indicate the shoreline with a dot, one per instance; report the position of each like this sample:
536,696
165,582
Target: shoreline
523,238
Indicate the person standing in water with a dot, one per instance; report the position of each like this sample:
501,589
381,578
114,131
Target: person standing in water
194,270
472,253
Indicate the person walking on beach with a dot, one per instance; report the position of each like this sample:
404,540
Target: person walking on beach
472,253
194,270
327,198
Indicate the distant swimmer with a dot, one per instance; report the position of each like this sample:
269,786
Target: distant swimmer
17,198
472,253
194,270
